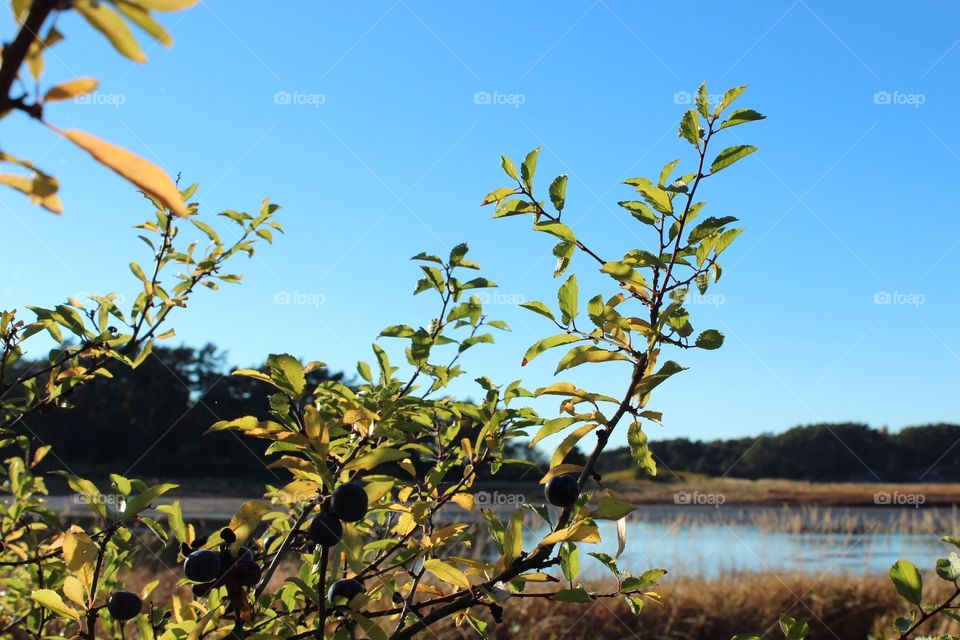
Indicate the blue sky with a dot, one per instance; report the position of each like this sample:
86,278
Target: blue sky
382,151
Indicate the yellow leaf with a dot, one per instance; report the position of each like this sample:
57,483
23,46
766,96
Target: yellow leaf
73,589
142,19
142,173
148,589
41,189
581,532
165,5
463,500
447,573
560,470
80,554
247,519
70,89
111,25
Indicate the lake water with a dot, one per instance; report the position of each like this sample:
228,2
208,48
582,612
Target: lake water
702,540
822,541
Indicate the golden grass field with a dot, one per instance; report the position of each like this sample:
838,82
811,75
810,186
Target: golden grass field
844,608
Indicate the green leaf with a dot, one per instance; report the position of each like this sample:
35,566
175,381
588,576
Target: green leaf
567,297
702,101
142,501
587,353
397,331
652,194
508,168
908,581
364,370
457,254
52,601
111,25
548,343
741,116
538,307
710,339
529,167
498,195
557,229
728,97
707,227
564,252
551,427
666,171
690,127
640,211
623,272
652,381
447,573
569,443
637,440
287,373
725,239
513,537
426,257
949,568
513,207
569,560
730,155
572,595
558,192
611,508
370,628
374,458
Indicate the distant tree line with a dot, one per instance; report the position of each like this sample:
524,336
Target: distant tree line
152,422
818,452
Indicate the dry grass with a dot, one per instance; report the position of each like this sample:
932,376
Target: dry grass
838,608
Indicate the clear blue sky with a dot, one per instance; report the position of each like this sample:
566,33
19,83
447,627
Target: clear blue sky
386,153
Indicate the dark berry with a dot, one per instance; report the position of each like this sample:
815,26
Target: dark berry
349,502
325,529
124,605
562,491
347,589
202,566
202,590
247,572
